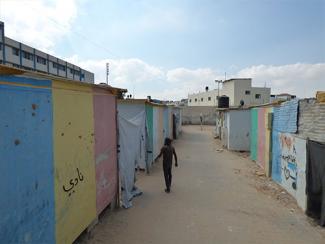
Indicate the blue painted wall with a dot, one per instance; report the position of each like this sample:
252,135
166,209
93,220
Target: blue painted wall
285,118
276,157
26,162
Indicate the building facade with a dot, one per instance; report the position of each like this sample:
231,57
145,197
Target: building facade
282,97
19,55
237,90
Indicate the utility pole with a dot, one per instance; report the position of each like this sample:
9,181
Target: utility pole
219,81
107,72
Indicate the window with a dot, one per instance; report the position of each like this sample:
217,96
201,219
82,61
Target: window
195,99
55,65
41,60
202,99
209,98
61,67
15,51
257,96
27,55
190,100
71,71
0,46
247,92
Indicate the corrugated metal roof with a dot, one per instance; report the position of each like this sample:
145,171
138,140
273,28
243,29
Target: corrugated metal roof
5,70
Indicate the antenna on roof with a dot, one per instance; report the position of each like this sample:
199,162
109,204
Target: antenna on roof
107,72
225,75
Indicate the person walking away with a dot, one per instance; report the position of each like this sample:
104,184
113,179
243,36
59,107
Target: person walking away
167,151
201,119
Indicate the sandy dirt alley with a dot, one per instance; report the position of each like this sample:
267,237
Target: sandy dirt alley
214,199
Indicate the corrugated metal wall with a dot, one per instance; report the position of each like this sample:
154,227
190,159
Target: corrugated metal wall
239,130
312,120
105,148
285,117
75,182
26,161
54,188
284,120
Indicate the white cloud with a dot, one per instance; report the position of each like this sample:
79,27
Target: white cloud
39,23
300,79
122,71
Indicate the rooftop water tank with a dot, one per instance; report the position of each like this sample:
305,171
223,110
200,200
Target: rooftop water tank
223,102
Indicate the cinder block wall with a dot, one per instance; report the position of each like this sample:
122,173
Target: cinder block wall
191,115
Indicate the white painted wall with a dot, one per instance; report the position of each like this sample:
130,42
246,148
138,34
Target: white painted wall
293,151
235,89
205,96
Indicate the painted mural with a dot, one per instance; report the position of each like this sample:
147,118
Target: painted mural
293,166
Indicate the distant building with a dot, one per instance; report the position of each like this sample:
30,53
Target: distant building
19,55
237,90
282,97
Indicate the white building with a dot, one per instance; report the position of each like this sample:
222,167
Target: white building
282,97
19,55
237,90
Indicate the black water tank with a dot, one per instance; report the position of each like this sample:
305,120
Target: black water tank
223,102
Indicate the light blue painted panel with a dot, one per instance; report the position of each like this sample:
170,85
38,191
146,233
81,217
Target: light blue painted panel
276,157
26,164
25,80
286,116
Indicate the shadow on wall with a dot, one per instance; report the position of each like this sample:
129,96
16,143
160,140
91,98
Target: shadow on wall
191,115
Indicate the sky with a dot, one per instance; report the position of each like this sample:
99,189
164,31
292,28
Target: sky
168,49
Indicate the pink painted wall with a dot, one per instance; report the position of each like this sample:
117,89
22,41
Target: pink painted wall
261,138
105,148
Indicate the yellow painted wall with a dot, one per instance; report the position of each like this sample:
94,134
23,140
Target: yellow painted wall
73,134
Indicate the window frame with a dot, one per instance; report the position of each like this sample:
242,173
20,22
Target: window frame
15,51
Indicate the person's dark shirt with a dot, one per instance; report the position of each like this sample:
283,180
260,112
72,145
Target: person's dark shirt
167,153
